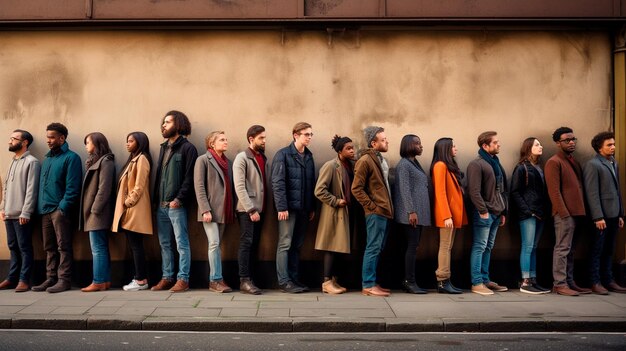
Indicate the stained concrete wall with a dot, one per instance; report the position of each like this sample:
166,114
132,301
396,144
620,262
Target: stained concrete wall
434,84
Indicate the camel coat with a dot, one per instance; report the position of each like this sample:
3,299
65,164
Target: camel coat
132,206
448,197
333,229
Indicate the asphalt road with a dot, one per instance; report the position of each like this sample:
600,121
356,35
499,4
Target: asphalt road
22,340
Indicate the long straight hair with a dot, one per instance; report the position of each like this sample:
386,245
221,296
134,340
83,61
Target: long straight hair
526,151
443,153
101,147
143,147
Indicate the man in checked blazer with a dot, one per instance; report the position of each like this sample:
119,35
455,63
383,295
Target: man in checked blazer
606,208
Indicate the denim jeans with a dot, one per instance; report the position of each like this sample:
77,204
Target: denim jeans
214,232
484,238
602,252
530,229
172,225
20,242
248,241
290,239
376,236
99,241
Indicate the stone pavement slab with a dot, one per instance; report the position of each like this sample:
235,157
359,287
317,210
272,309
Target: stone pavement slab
275,311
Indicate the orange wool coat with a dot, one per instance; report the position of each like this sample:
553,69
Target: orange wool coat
448,197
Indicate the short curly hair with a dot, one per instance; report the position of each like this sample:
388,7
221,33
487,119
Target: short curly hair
598,140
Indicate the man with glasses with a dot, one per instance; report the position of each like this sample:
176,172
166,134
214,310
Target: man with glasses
18,206
564,180
293,181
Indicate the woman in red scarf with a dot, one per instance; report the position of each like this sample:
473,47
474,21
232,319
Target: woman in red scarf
213,183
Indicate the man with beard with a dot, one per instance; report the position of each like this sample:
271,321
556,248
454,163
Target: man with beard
606,208
19,202
371,189
564,180
173,191
293,180
59,195
487,190
250,170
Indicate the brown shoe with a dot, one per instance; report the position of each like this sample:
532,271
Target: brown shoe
481,289
495,287
7,284
329,288
247,286
343,290
383,289
614,287
564,290
374,291
599,289
60,286
95,287
578,289
219,286
164,284
22,287
180,286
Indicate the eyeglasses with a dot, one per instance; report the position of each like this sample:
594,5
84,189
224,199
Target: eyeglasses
308,135
15,139
568,140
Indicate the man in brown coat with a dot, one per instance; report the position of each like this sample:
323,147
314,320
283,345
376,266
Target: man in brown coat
565,188
371,189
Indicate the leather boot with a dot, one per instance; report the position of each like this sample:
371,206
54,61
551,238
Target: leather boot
45,285
329,288
246,286
60,286
446,287
95,287
22,286
343,290
614,287
412,288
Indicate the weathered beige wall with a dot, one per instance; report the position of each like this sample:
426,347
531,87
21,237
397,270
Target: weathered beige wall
445,83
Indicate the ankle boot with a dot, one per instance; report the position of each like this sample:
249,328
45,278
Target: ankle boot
446,287
343,290
412,288
329,288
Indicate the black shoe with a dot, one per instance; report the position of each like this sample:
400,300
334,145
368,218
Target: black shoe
530,289
412,288
60,286
533,281
45,285
290,287
302,286
446,287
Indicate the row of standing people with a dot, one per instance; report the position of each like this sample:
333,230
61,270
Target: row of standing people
225,191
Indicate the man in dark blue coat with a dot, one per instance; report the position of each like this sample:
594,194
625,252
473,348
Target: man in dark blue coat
293,181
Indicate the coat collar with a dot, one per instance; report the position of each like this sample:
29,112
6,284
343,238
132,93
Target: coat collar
63,149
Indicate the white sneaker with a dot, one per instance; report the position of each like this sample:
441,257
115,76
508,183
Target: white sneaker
134,286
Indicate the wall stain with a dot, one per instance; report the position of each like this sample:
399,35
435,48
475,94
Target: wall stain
320,7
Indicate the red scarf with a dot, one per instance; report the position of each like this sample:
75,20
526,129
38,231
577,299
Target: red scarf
222,162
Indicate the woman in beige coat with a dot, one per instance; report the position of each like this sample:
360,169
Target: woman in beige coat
133,213
333,190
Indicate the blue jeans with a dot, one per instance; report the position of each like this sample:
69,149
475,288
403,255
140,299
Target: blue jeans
376,236
530,229
484,237
20,242
290,239
172,225
99,241
214,232
602,252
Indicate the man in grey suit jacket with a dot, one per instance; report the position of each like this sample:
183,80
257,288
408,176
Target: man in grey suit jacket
601,176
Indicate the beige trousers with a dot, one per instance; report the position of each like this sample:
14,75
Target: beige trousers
446,239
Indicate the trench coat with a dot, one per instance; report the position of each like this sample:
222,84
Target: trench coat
333,229
132,206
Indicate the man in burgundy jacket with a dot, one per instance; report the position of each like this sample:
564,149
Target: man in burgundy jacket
565,188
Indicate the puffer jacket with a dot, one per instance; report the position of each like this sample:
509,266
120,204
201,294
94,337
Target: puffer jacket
293,180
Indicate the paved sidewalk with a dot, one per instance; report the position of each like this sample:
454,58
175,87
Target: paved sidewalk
274,311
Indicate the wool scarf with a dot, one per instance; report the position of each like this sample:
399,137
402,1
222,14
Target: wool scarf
222,162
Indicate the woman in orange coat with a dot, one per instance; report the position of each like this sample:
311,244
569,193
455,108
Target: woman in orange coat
449,210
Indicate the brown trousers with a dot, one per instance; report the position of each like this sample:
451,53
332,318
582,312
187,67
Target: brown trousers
446,239
57,233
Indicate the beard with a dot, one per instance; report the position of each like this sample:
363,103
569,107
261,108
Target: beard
168,133
14,148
